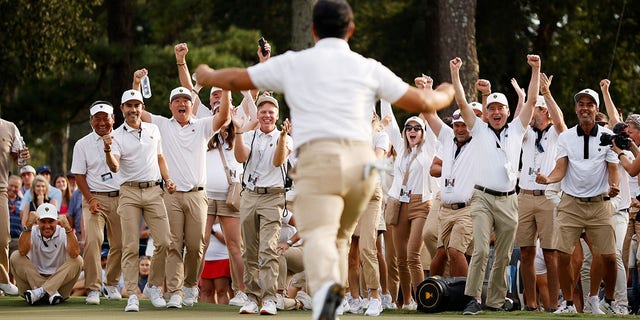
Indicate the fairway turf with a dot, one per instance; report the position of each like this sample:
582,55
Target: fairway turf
16,308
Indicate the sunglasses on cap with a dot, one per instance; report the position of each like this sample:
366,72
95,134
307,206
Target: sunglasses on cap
456,116
414,128
601,123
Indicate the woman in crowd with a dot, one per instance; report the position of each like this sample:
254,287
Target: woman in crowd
39,195
61,183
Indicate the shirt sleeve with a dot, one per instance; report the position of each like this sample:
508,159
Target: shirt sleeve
268,75
79,162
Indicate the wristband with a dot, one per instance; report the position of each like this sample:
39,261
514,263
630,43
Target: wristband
181,64
67,232
25,229
107,150
239,132
486,94
544,93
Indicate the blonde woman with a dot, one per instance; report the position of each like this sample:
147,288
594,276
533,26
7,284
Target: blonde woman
39,195
410,194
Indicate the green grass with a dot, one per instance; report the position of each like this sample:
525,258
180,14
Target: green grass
75,308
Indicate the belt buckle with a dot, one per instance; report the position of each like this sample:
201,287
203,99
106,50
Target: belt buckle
538,192
455,206
112,194
263,190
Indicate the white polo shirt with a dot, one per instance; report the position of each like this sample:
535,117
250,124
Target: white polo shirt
89,160
457,172
492,154
585,177
260,167
138,151
534,161
185,150
48,254
330,89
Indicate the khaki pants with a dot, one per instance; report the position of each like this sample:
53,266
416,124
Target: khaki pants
28,278
94,236
261,220
133,204
5,237
187,212
291,262
367,231
489,213
331,194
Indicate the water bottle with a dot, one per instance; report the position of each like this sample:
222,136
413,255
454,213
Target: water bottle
22,161
146,87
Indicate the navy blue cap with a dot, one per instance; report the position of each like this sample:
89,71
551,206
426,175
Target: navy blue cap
43,168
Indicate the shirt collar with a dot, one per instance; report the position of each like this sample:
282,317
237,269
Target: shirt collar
333,43
176,121
593,133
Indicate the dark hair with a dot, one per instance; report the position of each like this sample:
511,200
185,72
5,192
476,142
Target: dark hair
214,142
331,18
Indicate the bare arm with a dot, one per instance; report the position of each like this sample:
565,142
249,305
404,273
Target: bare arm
94,204
613,178
282,152
534,86
164,172
418,100
465,109
612,112
558,172
181,51
521,96
557,118
234,79
113,161
436,167
484,86
73,247
24,242
224,114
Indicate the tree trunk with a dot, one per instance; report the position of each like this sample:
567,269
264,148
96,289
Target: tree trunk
457,30
120,32
302,16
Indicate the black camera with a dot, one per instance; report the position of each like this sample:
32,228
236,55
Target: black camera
620,137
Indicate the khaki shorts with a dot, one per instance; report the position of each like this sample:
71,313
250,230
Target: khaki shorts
596,218
455,228
535,218
220,208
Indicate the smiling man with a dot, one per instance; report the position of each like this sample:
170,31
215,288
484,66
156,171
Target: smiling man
494,204
135,151
47,263
185,143
100,190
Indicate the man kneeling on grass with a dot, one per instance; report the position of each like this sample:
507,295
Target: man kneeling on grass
48,262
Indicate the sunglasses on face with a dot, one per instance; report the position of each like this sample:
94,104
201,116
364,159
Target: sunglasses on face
412,128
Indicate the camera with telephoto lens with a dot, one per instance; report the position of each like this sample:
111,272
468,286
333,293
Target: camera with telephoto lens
620,137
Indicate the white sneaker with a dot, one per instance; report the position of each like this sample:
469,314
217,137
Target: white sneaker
620,309
594,302
133,305
565,309
364,303
412,306
249,308
375,307
305,299
607,308
93,297
33,296
344,306
155,295
355,306
190,296
9,289
279,302
326,301
56,298
239,300
387,302
269,308
175,301
112,293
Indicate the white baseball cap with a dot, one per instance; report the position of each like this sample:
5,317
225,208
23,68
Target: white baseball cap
541,103
497,98
180,92
416,119
589,93
476,106
214,89
131,95
457,117
47,211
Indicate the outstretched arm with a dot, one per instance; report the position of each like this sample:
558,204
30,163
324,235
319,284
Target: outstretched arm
557,118
465,109
534,86
612,112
